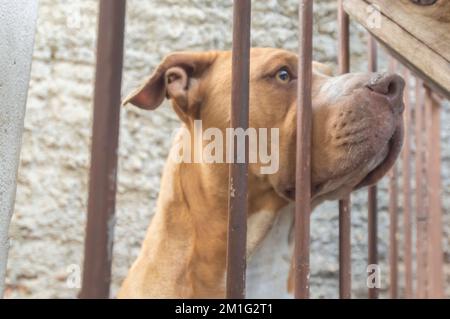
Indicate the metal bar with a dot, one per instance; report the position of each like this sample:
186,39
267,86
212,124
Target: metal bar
426,190
393,225
344,39
303,154
406,170
105,133
344,204
18,20
372,225
421,216
372,54
435,251
345,280
393,251
238,184
372,218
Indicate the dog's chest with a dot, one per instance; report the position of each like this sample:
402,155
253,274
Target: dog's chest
258,225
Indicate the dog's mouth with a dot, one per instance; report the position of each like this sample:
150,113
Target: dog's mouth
393,150
394,147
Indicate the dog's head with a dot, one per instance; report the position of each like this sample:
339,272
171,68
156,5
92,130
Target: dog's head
357,118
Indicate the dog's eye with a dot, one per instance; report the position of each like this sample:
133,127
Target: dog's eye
283,76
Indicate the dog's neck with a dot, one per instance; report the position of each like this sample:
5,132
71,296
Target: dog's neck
185,248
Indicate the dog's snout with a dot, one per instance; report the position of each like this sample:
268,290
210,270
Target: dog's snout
390,85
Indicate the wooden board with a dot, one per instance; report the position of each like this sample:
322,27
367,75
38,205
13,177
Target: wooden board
419,36
429,24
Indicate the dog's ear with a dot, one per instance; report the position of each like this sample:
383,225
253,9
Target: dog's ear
174,78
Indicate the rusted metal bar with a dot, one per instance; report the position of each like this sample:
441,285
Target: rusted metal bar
406,167
344,39
372,54
238,184
393,247
372,225
393,225
426,138
345,280
103,171
372,218
345,272
434,190
303,154
421,216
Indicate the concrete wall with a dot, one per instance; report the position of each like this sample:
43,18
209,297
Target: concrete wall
48,227
18,21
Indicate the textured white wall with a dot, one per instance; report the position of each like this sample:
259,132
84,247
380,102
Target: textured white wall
18,23
48,226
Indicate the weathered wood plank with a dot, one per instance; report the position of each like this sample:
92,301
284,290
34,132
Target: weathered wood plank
432,67
428,24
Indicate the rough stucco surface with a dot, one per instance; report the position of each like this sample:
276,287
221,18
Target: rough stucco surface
17,33
48,226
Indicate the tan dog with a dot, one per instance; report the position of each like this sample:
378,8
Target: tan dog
357,133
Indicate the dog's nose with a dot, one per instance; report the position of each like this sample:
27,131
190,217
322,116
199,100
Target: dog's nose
391,85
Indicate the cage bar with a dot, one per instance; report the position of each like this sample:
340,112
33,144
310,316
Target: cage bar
421,216
345,289
105,133
426,139
303,154
343,39
393,226
406,174
435,251
372,218
393,218
344,204
238,184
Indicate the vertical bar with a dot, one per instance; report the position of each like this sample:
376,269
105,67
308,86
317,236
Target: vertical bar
237,206
344,204
406,167
372,225
435,252
372,54
393,224
421,216
303,154
393,251
372,218
427,215
105,133
344,40
18,25
345,280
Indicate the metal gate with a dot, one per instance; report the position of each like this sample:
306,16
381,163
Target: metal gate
99,234
428,217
